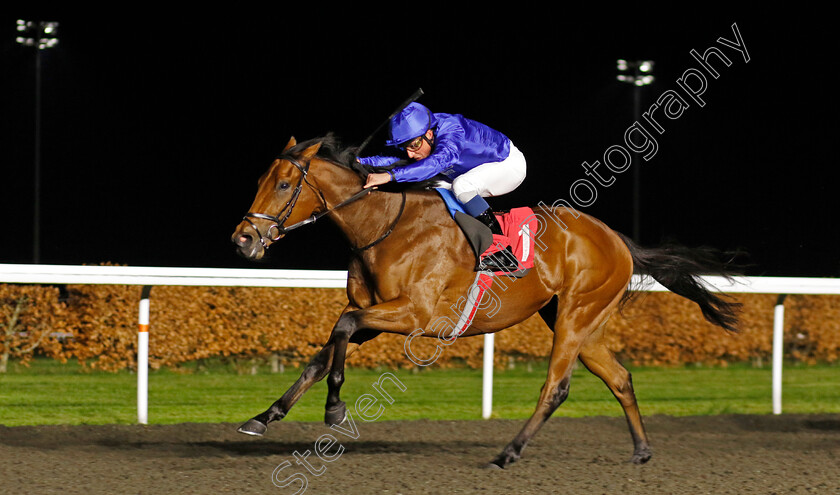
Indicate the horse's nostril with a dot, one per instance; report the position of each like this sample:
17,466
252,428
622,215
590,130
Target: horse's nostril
244,240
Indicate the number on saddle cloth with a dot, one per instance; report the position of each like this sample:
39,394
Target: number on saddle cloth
519,225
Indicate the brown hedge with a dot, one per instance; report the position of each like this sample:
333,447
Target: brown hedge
32,319
193,323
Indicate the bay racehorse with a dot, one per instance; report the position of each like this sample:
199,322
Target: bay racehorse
412,263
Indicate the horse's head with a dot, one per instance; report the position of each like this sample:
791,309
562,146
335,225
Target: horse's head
285,197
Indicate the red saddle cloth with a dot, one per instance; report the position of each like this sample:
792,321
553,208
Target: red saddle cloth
519,226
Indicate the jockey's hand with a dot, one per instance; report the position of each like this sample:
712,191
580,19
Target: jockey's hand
374,180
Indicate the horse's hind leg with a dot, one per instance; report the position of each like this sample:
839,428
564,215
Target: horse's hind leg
553,393
572,326
574,317
602,362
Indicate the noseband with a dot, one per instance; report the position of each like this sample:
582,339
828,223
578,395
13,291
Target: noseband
277,226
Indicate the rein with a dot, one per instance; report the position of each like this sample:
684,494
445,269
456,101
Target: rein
278,221
387,232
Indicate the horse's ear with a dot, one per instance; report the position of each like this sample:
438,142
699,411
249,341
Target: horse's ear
309,152
291,143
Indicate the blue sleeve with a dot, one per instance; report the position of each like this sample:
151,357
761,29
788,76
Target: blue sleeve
378,161
448,144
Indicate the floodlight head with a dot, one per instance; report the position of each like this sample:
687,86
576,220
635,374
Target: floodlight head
43,38
47,43
644,80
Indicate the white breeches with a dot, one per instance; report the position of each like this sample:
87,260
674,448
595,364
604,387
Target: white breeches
491,179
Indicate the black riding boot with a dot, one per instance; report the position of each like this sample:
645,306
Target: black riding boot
500,261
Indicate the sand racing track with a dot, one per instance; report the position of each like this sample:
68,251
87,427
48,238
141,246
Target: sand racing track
787,454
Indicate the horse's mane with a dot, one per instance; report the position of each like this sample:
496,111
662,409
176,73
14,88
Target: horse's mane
335,152
331,149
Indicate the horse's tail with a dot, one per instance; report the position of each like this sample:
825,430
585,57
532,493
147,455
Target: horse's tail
677,268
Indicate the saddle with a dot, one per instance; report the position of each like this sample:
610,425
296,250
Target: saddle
518,224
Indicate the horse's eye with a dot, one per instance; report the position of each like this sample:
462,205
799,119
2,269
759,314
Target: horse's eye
283,186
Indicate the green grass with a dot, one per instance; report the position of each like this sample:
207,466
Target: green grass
52,393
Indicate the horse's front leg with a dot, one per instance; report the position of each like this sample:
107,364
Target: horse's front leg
336,410
392,316
315,371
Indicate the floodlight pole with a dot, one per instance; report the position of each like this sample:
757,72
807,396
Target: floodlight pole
638,73
637,172
41,35
36,214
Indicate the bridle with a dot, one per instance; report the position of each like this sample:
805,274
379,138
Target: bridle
278,228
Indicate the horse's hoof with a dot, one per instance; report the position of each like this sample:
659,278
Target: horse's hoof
641,456
504,460
253,427
336,415
501,462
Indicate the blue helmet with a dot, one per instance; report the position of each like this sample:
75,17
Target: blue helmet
413,121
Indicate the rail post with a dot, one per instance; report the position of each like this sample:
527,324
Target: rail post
778,352
487,380
143,357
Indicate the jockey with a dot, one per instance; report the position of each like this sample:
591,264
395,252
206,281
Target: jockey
473,160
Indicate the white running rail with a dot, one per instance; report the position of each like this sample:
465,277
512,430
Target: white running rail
249,277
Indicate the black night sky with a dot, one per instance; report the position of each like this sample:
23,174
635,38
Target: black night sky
155,130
